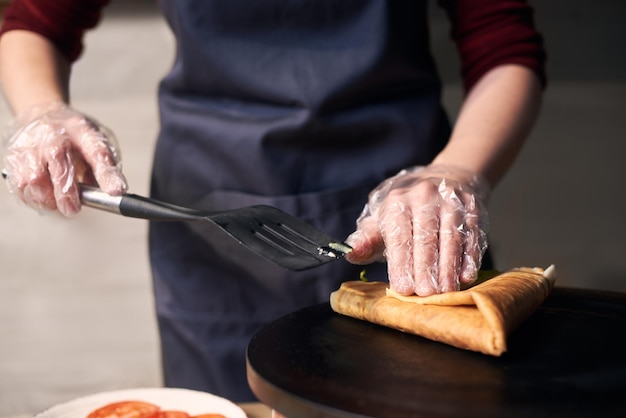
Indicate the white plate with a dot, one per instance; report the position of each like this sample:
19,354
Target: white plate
190,401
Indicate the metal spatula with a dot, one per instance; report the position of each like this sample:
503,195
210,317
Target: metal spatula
275,235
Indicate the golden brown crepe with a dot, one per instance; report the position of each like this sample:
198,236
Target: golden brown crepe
479,318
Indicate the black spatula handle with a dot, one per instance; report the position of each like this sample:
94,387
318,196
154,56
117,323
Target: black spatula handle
135,206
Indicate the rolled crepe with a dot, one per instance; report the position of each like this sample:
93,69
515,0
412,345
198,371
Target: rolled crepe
479,318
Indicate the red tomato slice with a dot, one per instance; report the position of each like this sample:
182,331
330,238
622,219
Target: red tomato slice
174,414
127,409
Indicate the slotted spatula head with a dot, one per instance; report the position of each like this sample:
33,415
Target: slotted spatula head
280,237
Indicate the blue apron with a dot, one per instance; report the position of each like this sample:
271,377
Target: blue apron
303,105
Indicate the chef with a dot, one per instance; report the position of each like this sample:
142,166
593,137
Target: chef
329,110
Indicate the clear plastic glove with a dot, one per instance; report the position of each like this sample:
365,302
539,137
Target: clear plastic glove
430,224
50,148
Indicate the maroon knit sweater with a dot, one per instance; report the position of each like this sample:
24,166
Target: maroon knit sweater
487,32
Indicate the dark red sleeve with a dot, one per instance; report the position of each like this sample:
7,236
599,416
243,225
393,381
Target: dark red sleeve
64,22
494,32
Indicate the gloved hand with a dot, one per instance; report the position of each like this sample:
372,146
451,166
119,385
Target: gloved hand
50,148
430,224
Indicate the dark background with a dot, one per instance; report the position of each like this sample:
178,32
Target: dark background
563,202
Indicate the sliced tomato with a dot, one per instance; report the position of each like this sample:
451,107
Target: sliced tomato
127,409
174,414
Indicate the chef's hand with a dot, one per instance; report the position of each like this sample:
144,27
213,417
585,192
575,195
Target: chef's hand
50,148
430,224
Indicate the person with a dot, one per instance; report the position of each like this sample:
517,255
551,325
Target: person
328,110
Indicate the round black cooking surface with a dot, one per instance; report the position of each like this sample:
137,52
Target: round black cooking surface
567,360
